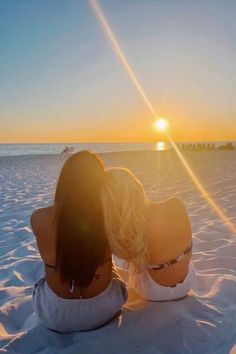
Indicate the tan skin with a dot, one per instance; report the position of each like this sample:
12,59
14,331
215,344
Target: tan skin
44,228
168,233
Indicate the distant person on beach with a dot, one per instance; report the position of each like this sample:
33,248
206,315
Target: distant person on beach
151,241
80,290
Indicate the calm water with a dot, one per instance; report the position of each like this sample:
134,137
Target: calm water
35,149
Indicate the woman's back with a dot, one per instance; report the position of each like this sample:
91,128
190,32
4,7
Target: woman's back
155,238
80,290
44,227
168,233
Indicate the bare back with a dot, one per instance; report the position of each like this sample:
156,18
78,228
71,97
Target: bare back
43,222
168,232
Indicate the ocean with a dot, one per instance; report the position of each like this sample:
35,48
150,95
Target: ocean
38,149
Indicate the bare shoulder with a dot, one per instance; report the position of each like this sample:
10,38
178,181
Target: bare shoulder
41,218
175,206
170,206
169,217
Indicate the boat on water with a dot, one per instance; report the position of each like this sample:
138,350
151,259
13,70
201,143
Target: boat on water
68,150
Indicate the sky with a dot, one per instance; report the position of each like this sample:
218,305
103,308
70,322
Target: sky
61,81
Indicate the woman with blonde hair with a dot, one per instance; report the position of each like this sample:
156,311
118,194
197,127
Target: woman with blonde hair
152,241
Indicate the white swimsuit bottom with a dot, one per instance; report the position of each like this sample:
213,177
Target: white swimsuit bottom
147,288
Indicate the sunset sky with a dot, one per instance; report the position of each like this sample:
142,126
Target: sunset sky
60,80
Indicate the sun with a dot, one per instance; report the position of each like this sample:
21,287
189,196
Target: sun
161,125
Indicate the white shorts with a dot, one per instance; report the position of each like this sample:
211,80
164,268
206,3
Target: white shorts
146,287
68,315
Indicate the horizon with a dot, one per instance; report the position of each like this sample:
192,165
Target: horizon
123,142
61,81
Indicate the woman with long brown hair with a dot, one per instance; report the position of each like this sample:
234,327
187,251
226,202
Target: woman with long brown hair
80,289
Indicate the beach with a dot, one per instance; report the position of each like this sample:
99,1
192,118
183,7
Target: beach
203,322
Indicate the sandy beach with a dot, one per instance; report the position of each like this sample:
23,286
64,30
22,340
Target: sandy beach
204,322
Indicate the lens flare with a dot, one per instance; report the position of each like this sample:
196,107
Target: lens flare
116,47
120,54
203,191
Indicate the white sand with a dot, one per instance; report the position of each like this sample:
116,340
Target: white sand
204,322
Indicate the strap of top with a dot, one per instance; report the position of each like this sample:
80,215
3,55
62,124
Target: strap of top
72,287
172,261
49,266
109,258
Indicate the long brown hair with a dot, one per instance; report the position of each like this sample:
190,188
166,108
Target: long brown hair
81,241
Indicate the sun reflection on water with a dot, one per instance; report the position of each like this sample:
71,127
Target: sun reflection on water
160,146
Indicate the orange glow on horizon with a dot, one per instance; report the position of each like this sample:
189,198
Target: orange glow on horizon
125,124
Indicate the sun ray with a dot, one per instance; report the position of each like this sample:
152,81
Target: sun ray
116,47
203,191
120,54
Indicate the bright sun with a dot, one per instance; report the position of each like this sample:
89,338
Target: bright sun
161,124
